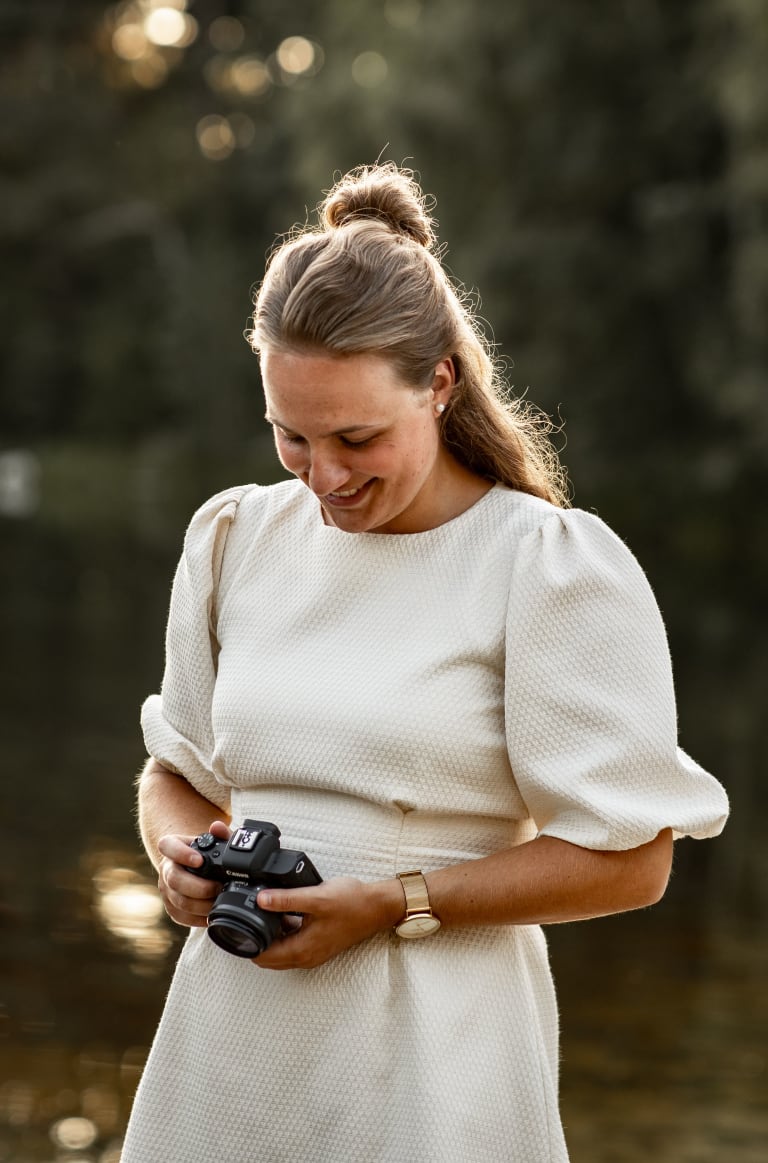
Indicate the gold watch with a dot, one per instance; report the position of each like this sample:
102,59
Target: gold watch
419,920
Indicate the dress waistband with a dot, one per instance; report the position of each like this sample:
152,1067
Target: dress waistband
348,836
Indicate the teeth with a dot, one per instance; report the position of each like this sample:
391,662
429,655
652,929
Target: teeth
348,493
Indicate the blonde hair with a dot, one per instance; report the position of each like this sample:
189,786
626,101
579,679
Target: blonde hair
367,280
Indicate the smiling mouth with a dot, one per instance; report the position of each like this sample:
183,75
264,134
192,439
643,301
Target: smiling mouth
345,496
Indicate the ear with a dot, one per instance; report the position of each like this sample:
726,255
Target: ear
444,382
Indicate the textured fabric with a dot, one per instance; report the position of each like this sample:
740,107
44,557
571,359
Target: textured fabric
399,701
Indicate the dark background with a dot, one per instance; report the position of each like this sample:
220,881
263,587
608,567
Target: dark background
601,176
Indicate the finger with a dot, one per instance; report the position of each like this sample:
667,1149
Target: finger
295,900
181,906
288,952
220,830
186,907
192,887
177,849
186,886
186,919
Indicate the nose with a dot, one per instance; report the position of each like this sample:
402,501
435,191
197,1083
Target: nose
326,472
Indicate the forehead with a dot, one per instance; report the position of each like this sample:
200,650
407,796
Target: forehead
349,391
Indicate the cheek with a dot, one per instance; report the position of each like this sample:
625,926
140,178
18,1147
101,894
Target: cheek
421,455
404,465
291,455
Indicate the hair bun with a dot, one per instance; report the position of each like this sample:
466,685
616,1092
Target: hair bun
383,192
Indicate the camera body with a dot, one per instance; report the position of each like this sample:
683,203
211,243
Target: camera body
249,861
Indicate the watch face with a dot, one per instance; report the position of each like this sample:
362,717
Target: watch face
420,925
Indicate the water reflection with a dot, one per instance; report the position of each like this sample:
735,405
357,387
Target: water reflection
86,953
132,911
77,1102
19,482
86,1117
663,1039
74,1134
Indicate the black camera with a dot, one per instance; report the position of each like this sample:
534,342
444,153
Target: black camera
249,861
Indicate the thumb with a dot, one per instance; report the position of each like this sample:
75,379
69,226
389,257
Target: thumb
274,900
284,900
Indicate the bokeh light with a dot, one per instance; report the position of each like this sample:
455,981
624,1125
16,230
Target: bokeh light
132,910
249,76
296,55
130,41
168,26
101,1104
150,71
402,13
165,26
369,70
215,137
74,1134
19,482
148,36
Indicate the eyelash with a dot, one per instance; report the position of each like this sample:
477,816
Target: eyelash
344,439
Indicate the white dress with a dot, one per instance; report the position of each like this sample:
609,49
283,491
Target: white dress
396,702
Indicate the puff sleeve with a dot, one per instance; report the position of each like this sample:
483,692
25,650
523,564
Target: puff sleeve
590,709
177,722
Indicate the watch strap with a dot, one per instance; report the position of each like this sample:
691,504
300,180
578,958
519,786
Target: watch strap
416,892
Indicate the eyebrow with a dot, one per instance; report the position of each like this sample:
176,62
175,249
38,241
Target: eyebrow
337,432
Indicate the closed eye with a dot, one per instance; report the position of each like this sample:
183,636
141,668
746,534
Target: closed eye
288,435
293,438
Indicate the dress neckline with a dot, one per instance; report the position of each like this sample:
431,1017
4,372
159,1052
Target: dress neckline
332,531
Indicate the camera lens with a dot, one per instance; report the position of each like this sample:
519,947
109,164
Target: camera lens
236,938
237,924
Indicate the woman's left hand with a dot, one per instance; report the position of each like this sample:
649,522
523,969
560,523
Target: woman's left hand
336,915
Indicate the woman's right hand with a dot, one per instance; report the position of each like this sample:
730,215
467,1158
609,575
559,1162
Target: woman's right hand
187,898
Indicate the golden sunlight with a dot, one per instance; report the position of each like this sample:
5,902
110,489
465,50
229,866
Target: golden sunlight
132,910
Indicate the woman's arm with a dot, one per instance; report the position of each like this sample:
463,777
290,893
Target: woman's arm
541,882
171,813
549,880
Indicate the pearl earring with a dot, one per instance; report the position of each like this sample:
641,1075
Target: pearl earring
439,408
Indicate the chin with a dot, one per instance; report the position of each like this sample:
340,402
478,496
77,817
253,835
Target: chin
347,520
351,522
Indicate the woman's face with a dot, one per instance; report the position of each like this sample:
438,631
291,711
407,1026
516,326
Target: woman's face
365,443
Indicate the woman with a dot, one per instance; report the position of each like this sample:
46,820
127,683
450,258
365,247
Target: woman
449,690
